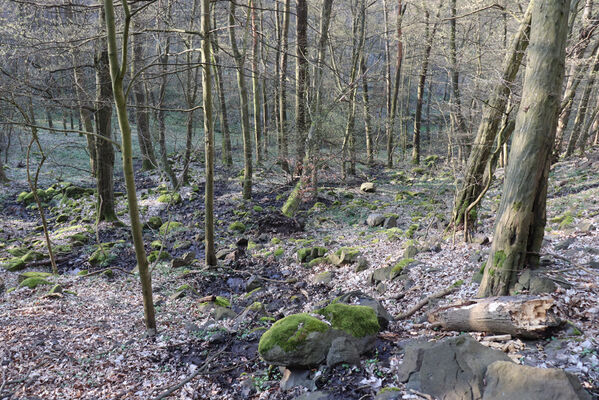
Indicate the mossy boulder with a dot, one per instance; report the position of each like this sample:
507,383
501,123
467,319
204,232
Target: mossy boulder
100,256
296,340
17,251
34,282
158,255
14,264
302,340
62,218
170,227
307,254
172,198
33,274
32,256
154,222
323,278
76,192
345,255
237,226
357,321
400,267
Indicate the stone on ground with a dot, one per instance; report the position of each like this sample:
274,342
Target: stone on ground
368,187
375,220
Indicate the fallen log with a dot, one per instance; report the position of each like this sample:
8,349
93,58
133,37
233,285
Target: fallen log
528,317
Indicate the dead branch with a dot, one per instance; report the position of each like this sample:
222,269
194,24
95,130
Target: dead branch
425,301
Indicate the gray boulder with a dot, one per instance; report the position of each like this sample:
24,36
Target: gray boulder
390,222
449,370
375,220
367,187
343,351
508,381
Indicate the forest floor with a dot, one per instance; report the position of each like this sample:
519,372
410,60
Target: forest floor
88,341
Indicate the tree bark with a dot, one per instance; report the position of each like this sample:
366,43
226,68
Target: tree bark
117,73
492,115
283,143
256,91
522,212
227,157
208,134
526,317
301,77
104,150
243,106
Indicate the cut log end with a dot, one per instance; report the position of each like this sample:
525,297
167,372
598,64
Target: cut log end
520,316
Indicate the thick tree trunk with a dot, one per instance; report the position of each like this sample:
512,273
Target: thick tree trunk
208,135
104,150
243,106
117,73
282,140
527,317
492,115
301,77
144,137
256,91
522,212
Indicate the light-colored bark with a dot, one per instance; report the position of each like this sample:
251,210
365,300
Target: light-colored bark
522,212
117,74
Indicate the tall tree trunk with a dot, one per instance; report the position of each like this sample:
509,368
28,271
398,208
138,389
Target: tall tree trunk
495,108
144,137
430,34
575,74
256,91
227,156
455,77
104,150
166,166
301,77
367,117
582,107
85,114
208,134
117,74
349,143
283,143
394,97
522,212
243,106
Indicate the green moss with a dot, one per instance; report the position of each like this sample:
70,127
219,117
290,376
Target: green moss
398,267
78,238
222,301
256,306
34,274
358,321
34,282
237,226
173,198
290,332
15,264
275,240
411,231
567,221
316,261
158,255
83,272
458,283
17,251
388,389
183,287
394,234
498,259
517,206
154,222
170,227
279,252
258,209
32,256
156,244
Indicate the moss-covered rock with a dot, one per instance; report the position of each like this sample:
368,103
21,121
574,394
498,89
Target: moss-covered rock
158,255
170,227
357,321
298,339
62,218
154,222
13,265
345,255
237,226
32,256
399,267
34,282
100,256
308,254
172,198
33,274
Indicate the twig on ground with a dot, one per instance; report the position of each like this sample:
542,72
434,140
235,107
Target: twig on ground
576,266
197,372
104,270
425,301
